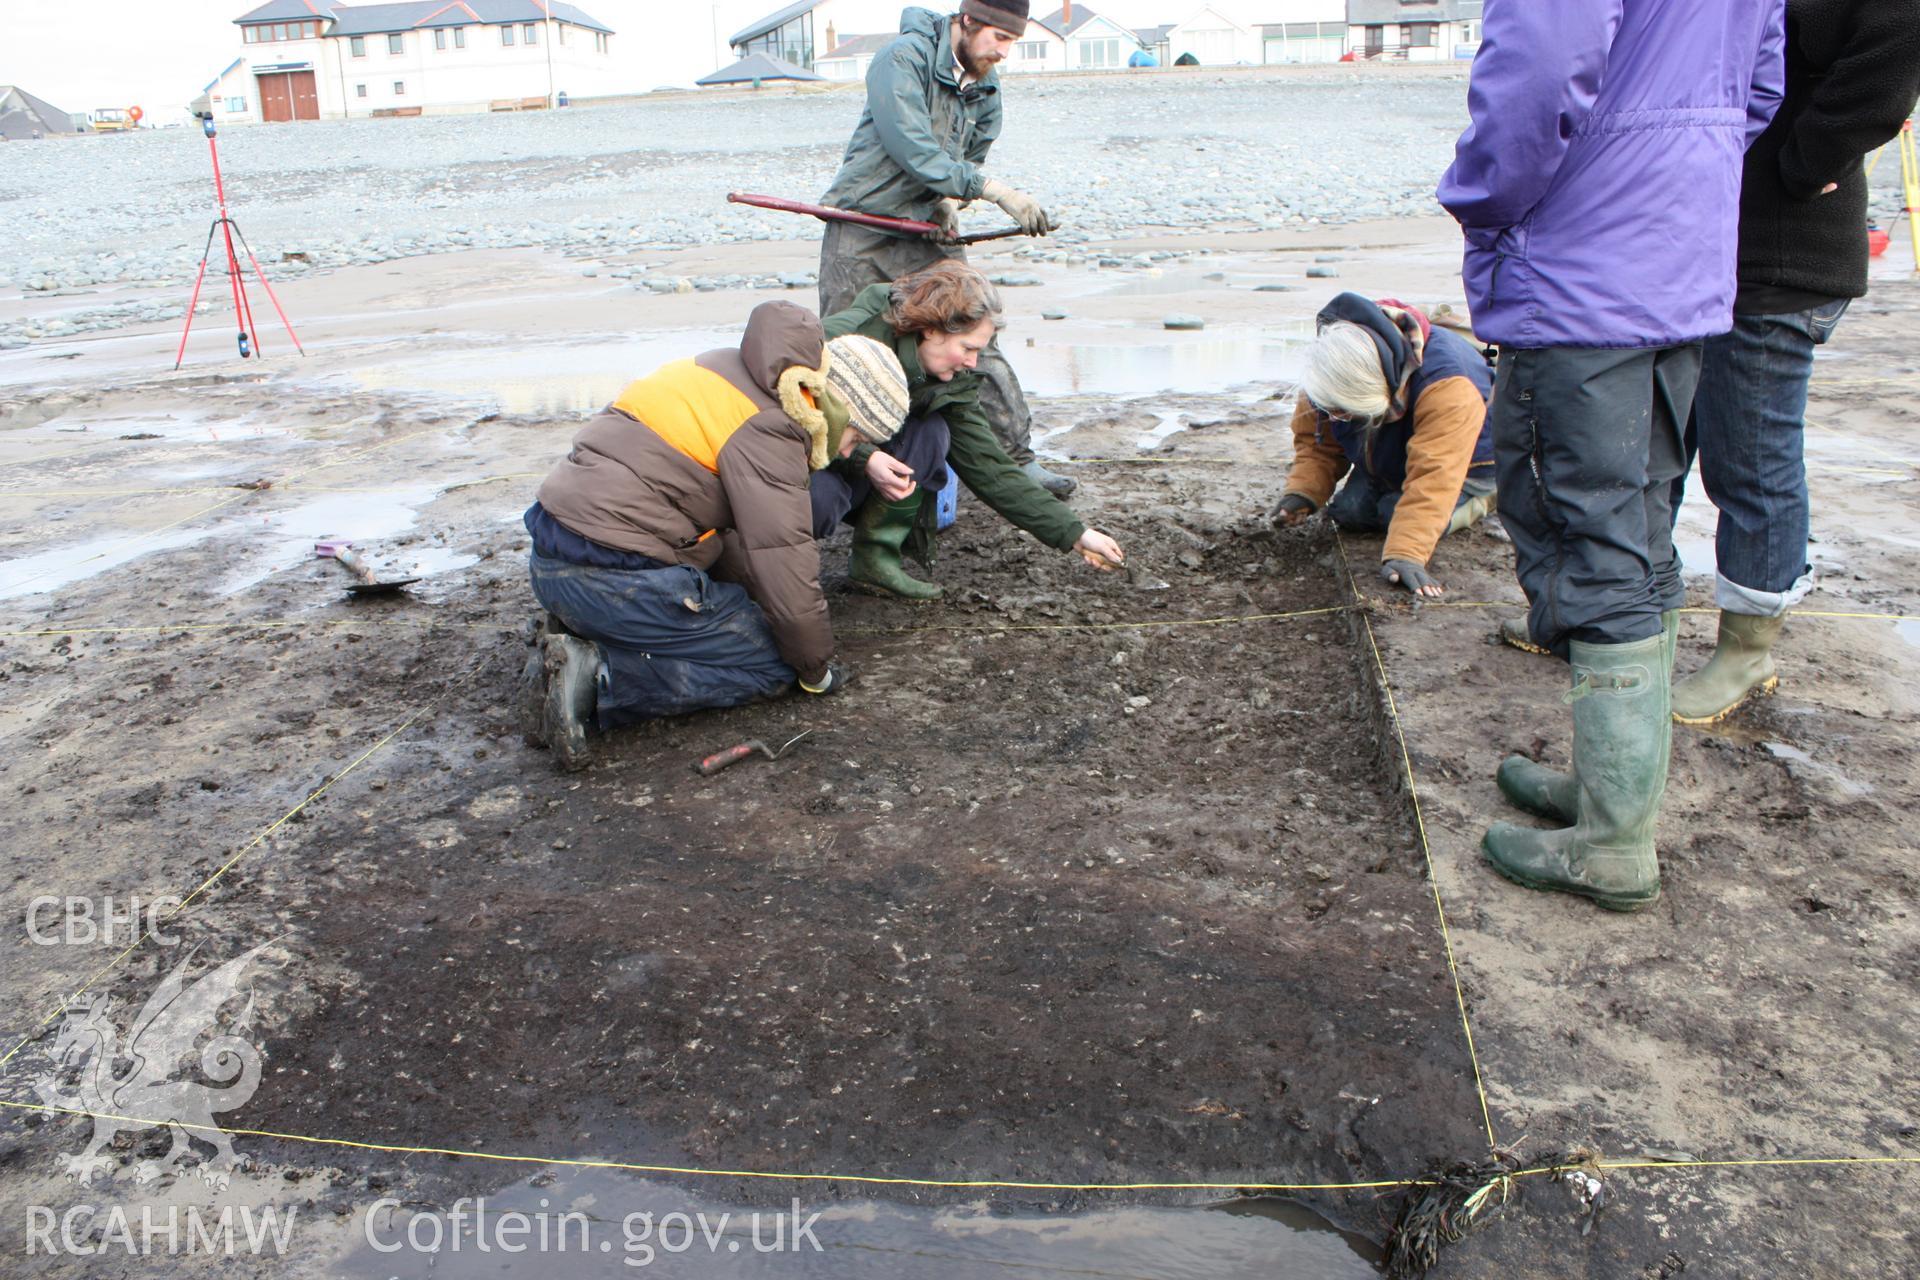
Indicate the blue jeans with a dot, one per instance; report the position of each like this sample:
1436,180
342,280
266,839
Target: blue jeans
1749,427
676,640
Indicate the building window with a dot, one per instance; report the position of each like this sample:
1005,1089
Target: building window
1033,49
440,38
600,44
459,37
1100,53
359,91
399,88
358,45
506,35
396,44
236,104
529,34
1470,32
563,33
1423,33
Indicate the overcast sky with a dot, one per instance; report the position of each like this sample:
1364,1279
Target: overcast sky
81,55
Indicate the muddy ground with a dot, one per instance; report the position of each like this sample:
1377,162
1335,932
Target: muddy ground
1080,882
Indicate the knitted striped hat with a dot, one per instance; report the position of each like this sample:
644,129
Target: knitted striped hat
867,377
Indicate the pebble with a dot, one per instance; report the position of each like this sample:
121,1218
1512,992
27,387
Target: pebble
1276,288
1322,273
1181,320
1054,313
1014,282
1329,257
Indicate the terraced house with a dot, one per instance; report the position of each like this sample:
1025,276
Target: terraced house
310,60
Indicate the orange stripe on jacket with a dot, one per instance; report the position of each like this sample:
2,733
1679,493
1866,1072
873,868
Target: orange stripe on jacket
693,409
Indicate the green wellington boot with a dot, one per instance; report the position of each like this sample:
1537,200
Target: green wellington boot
1548,792
880,531
1741,667
573,679
1622,745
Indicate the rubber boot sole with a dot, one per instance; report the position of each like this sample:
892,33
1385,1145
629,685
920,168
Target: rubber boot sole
1515,635
1611,902
1764,689
875,589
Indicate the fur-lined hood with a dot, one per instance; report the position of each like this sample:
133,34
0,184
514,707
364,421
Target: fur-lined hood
785,352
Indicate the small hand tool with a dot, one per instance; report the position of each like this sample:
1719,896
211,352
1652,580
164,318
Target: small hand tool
369,584
734,755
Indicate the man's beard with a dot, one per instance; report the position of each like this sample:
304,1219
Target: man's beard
975,68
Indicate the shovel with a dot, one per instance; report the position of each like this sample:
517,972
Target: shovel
734,755
368,584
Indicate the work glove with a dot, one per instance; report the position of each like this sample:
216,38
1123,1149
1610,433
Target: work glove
1293,509
1413,577
1020,206
837,678
946,216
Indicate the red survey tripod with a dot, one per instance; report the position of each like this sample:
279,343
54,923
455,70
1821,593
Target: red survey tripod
243,312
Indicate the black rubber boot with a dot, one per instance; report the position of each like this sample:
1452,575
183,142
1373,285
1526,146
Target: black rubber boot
573,679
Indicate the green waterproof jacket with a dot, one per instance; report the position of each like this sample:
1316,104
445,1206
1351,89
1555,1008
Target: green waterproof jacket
922,136
974,454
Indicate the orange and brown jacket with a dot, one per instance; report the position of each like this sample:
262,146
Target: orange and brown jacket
1426,454
710,457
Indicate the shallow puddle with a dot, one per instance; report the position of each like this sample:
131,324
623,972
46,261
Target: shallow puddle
617,1225
1202,366
542,378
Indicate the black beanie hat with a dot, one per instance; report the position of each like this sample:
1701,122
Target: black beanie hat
1008,15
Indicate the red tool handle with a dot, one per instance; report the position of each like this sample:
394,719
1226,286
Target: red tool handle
828,214
721,759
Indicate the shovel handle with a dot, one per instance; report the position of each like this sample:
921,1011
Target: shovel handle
722,759
355,565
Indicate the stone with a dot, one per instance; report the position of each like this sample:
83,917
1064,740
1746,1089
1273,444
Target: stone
1054,313
1181,320
1322,273
1014,282
1276,288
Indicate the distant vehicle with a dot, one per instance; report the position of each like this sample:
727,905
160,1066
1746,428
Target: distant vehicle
116,119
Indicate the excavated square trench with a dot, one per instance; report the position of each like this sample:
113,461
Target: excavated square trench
1081,882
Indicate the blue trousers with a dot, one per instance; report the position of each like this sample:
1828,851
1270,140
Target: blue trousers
676,639
921,444
1749,428
1364,506
1587,445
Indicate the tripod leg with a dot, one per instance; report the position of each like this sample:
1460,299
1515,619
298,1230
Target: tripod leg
243,315
194,301
261,276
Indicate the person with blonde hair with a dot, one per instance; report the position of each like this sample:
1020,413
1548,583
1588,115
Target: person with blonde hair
939,322
1400,409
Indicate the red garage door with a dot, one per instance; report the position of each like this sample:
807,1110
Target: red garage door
288,95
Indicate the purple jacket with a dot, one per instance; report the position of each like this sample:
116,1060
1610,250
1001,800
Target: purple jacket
1599,181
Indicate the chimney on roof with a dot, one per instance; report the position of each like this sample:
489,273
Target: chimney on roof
832,42
1066,16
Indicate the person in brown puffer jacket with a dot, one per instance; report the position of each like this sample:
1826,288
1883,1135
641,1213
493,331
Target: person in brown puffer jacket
674,547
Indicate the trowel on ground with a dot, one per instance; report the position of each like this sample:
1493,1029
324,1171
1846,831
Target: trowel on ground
369,583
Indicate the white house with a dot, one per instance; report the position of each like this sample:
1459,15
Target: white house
850,58
1093,43
1215,39
1042,48
1154,41
312,60
1414,30
1304,31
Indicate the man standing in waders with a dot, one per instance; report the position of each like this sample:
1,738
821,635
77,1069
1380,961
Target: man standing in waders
933,112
